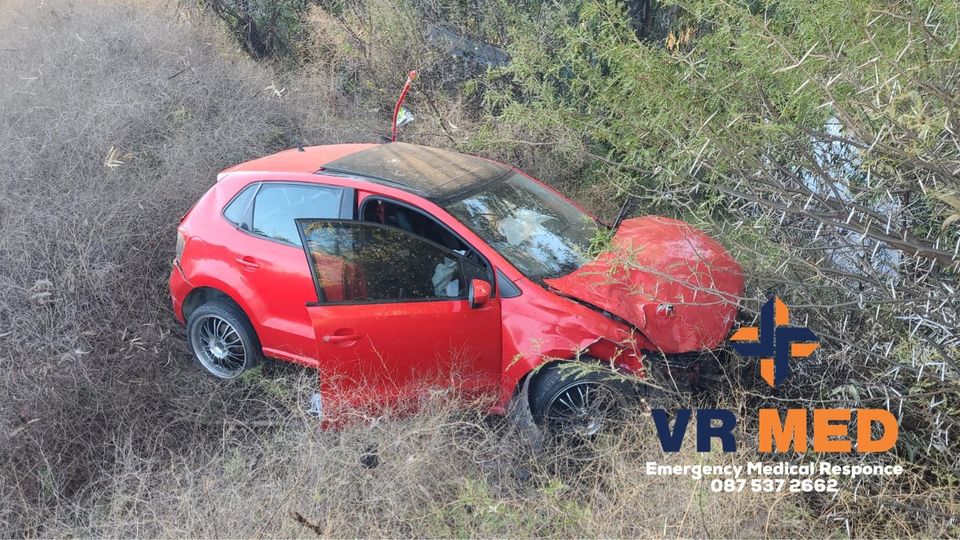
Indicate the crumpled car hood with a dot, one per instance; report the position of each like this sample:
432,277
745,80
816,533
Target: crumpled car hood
677,285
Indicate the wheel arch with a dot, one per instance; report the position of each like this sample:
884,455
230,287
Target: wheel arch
205,294
531,374
624,368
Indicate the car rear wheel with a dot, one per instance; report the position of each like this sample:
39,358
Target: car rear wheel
579,402
222,340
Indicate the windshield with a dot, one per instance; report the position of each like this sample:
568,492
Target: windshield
539,232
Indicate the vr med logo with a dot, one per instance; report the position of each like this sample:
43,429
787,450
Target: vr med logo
776,342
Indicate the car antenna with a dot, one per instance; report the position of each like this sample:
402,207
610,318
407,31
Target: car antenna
629,204
411,76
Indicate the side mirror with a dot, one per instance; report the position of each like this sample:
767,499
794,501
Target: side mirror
478,293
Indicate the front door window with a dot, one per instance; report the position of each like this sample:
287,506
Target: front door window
356,262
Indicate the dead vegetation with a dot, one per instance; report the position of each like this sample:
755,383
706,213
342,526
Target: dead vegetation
115,118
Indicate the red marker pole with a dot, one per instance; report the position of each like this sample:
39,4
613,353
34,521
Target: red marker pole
411,76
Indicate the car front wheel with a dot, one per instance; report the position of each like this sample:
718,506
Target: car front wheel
222,340
579,401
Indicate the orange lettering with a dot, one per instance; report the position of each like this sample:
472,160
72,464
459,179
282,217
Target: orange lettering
794,428
865,420
823,430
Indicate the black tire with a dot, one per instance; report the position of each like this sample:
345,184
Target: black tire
223,340
555,390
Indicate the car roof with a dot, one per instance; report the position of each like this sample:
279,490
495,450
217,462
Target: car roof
432,173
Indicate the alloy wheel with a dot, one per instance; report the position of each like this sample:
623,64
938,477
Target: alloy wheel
219,346
582,409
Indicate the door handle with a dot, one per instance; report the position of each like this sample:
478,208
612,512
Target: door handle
334,338
248,262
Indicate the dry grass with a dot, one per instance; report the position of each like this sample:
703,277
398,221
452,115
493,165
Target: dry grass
115,118
446,472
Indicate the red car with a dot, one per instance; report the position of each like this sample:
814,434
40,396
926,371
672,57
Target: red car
391,268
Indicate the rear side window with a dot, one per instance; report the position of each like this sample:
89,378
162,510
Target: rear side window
238,211
357,262
276,206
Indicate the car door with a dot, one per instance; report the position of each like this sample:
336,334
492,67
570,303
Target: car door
393,318
271,259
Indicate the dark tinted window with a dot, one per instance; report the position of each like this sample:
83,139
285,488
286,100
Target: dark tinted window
237,212
364,262
508,289
278,205
413,221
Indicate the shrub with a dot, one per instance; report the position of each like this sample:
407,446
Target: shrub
265,28
818,143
